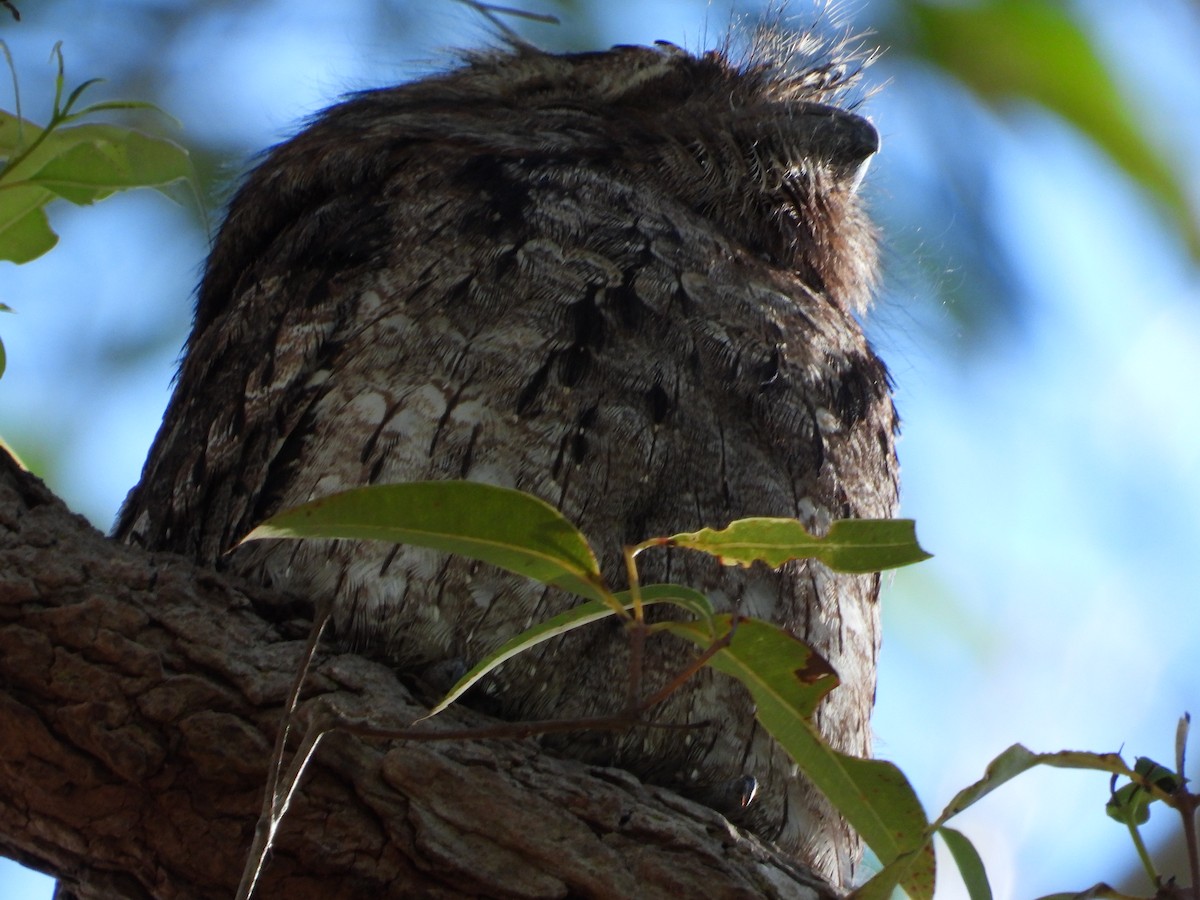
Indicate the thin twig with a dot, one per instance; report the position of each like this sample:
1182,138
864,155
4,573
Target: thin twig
492,12
631,717
510,730
1143,854
275,801
636,629
697,664
281,790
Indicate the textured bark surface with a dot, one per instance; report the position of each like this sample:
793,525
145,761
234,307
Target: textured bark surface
141,695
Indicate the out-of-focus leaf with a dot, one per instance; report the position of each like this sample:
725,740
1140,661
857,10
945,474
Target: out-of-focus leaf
1130,804
97,160
25,233
80,163
1006,49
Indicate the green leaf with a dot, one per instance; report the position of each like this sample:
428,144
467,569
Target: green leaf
686,598
15,134
1008,765
1130,804
1160,776
25,233
787,680
76,93
95,161
1007,49
1017,759
123,105
577,617
970,865
769,661
506,528
852,545
81,163
915,872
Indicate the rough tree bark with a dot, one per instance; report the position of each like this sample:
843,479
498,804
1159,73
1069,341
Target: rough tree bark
140,698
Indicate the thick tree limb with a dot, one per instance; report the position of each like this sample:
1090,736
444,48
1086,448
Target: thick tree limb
140,698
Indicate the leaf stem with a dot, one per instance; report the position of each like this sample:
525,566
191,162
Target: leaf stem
1143,854
58,116
697,664
637,629
12,67
15,160
635,581
275,801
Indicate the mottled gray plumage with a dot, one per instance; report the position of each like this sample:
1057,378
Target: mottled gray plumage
622,281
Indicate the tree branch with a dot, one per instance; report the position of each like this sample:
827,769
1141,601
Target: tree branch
141,694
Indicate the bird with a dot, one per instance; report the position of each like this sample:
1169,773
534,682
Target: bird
629,282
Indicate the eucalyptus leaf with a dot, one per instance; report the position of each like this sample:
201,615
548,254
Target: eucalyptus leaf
970,864
501,526
584,614
1017,759
914,871
787,679
852,545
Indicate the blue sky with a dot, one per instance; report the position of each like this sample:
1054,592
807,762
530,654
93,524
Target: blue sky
1052,465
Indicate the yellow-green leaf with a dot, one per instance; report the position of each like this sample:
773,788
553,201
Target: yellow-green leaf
80,163
852,545
25,233
1017,759
96,160
15,134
